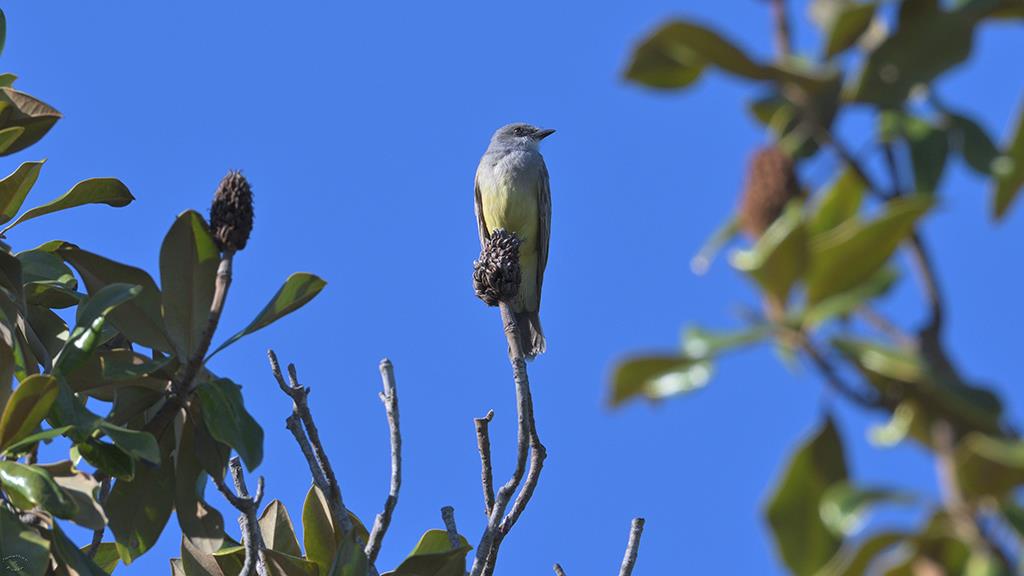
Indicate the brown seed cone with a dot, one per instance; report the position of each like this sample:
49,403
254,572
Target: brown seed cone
232,212
771,184
496,274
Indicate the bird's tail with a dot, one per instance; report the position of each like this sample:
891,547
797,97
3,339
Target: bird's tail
531,335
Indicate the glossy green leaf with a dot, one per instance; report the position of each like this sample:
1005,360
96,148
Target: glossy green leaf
855,251
26,408
857,558
282,564
15,187
8,136
108,458
30,486
849,301
803,540
903,422
139,509
106,556
140,320
34,116
657,377
196,562
699,343
915,54
840,203
26,443
188,269
677,53
3,30
135,443
25,551
109,191
987,465
71,559
434,556
850,22
83,489
779,258
1009,170
318,535
227,420
297,290
91,318
844,507
278,531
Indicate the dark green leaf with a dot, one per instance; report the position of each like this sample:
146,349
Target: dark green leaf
282,564
850,22
23,445
855,251
26,408
8,136
318,535
298,289
106,556
34,116
915,54
779,258
71,559
30,486
83,489
929,145
196,562
803,540
1009,170
25,551
108,458
278,531
434,556
139,320
109,191
972,142
227,420
987,465
188,269
200,522
657,377
135,443
139,509
14,188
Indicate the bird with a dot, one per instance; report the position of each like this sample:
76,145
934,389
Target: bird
512,192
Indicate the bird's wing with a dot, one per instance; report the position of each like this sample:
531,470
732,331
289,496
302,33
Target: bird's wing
544,226
478,206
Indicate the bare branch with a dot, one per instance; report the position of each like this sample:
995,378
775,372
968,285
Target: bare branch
558,570
252,538
302,426
390,399
185,383
636,529
487,550
483,442
448,515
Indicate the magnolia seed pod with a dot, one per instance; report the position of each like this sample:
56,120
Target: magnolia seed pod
231,212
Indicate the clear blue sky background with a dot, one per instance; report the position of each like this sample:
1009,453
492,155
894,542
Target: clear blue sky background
360,125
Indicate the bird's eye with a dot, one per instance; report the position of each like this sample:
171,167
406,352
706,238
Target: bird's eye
519,131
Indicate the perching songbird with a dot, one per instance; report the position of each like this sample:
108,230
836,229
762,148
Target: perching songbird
512,192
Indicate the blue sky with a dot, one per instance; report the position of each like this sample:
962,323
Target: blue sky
360,125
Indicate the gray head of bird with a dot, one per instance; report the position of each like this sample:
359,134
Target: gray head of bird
520,135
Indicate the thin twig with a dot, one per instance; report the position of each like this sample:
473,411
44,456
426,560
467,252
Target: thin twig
487,550
390,399
483,442
97,535
301,425
558,570
448,516
884,325
783,40
636,529
247,506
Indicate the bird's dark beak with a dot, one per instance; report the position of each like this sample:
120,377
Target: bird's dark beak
542,134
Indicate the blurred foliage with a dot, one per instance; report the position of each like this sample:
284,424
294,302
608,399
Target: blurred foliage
827,258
